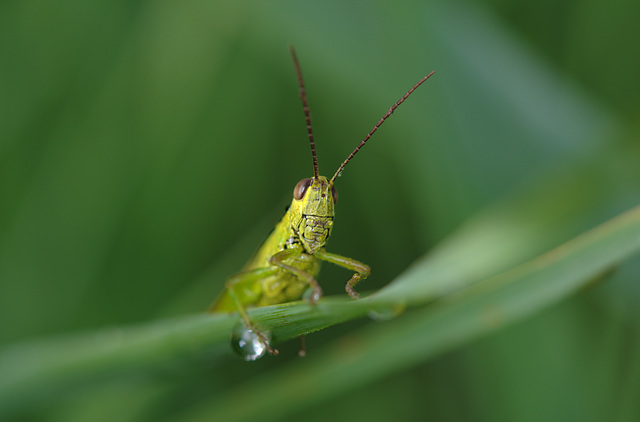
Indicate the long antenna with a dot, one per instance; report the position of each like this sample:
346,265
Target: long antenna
386,115
305,106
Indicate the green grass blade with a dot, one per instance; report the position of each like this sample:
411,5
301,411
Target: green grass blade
47,368
42,369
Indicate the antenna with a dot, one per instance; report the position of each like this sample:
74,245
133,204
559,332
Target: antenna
305,106
386,115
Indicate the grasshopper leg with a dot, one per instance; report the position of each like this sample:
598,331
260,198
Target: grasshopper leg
362,271
278,261
233,283
303,347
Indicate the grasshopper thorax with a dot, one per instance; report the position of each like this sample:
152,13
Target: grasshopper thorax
312,212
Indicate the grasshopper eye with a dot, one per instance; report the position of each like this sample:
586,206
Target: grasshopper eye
301,188
334,193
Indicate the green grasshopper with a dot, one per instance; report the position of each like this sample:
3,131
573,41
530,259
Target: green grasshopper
288,262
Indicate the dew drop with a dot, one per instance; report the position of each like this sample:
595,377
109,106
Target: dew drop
386,314
246,343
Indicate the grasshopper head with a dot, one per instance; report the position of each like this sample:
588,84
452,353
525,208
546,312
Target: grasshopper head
312,212
313,199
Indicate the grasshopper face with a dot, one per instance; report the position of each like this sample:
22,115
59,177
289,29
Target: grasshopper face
312,212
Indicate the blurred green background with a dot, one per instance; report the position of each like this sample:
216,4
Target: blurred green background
147,148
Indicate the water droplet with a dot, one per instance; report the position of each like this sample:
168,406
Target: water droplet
247,343
386,314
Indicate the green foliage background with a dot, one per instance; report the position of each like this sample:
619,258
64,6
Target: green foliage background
146,148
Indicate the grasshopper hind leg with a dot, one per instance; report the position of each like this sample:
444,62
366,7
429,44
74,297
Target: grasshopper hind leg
247,340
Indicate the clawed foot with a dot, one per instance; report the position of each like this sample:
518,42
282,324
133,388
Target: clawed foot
351,291
265,341
315,296
249,343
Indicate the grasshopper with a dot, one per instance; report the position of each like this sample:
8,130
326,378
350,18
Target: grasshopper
287,263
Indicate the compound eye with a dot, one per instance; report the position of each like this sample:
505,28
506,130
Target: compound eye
334,192
301,188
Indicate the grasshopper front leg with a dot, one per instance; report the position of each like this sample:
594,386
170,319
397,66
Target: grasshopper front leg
362,271
278,261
